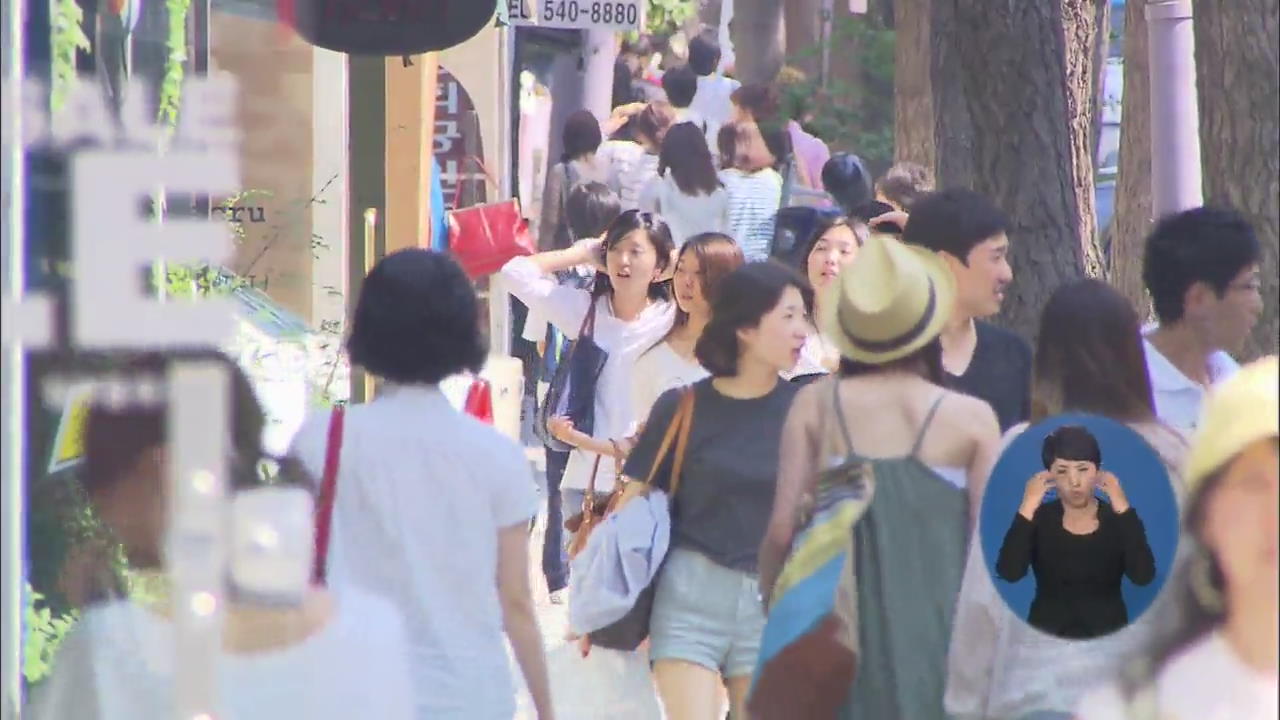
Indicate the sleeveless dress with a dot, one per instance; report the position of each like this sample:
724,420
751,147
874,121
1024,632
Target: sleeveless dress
909,551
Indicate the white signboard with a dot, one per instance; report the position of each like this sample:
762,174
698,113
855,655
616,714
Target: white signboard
580,14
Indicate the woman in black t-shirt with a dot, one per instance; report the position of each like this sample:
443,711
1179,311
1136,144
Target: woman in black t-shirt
1079,547
707,619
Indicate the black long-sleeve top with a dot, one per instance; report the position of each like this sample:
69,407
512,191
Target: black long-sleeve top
1077,576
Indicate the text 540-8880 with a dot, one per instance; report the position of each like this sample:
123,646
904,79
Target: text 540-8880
591,12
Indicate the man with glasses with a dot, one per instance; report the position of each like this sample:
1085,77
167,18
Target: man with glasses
1202,269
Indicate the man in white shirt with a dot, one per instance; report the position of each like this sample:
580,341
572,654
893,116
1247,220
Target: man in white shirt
711,101
681,86
1202,269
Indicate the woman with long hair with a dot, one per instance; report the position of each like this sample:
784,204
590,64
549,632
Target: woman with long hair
1217,658
577,166
706,623
687,193
923,453
630,298
754,187
1089,358
833,245
701,267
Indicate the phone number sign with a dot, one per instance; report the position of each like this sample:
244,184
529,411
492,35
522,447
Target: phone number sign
580,14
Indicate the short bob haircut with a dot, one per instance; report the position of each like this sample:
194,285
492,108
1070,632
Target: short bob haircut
686,156
745,296
581,135
589,209
742,147
417,319
954,221
659,235
1090,357
116,437
1070,442
1207,245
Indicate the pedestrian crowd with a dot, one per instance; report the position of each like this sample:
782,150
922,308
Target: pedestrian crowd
704,330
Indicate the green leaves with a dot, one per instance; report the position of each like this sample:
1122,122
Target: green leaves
45,633
68,37
174,65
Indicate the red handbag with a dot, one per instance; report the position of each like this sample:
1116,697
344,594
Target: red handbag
479,402
484,237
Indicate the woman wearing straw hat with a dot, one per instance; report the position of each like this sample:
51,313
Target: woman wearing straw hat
1220,659
929,452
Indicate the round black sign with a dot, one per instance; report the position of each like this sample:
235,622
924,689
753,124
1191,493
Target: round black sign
387,27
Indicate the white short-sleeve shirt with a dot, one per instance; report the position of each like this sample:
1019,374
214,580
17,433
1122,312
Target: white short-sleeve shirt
422,492
118,662
1207,681
1178,398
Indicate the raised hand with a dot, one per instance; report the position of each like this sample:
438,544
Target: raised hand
1033,495
1110,484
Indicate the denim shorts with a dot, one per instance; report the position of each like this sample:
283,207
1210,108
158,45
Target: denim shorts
706,614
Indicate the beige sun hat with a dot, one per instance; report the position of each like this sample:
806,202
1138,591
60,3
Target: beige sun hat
892,300
1240,411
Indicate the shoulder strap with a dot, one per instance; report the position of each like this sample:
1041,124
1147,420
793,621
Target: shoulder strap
677,433
844,425
328,489
924,428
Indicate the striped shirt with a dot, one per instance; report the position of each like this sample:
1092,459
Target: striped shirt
753,209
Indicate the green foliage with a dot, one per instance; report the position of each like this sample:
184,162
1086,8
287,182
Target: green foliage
667,16
851,116
68,36
174,65
45,632
201,279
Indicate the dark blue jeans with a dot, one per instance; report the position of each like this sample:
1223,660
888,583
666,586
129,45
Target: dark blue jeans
555,559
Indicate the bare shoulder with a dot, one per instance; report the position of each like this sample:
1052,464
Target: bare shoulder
972,414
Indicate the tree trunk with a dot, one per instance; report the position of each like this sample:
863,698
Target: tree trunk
756,29
1027,69
1236,68
804,35
1132,219
932,126
1102,21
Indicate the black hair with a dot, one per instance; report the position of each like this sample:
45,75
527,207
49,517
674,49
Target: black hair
116,436
1070,442
704,53
655,228
824,224
955,221
746,295
589,209
1206,244
680,85
845,178
581,135
417,319
623,92
685,154
642,45
925,362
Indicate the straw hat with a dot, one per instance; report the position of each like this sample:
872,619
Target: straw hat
892,300
1239,412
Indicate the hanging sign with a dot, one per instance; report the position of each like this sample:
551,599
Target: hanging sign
387,27
590,14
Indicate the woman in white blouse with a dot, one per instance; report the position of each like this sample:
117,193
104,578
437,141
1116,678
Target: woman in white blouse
754,187
631,297
433,506
686,192
1220,660
833,245
703,262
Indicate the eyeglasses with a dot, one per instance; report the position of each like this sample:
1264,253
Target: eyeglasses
1251,286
